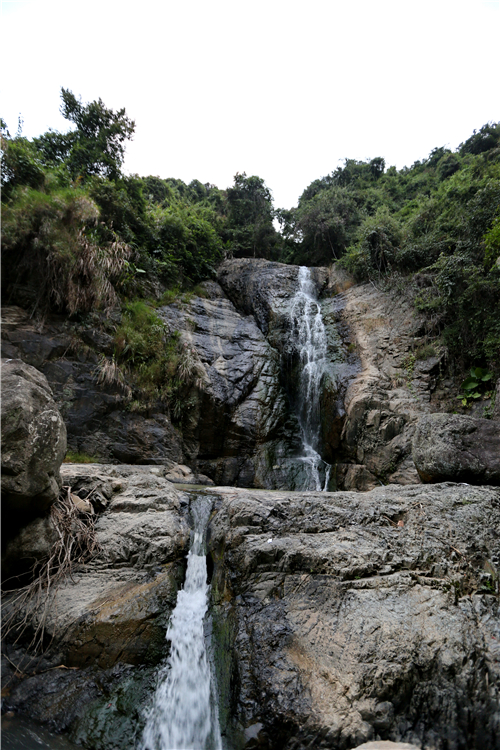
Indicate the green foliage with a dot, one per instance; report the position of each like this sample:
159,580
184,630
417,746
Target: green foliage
96,146
475,386
492,243
249,230
425,351
375,252
439,222
160,367
78,457
20,165
326,224
49,251
486,139
78,233
186,240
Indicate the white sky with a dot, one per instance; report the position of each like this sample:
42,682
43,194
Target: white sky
276,88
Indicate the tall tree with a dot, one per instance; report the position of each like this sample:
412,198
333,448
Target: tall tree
250,217
97,146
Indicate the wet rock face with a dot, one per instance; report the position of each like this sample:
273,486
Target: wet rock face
360,617
241,412
33,441
260,288
458,448
265,290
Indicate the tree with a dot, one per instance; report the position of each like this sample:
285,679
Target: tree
487,138
97,146
326,224
250,217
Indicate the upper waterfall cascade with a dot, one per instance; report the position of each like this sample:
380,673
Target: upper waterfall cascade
184,711
311,343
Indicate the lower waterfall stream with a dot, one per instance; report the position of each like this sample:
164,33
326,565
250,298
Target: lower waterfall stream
184,713
311,344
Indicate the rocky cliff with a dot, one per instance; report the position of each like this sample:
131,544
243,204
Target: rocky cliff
241,425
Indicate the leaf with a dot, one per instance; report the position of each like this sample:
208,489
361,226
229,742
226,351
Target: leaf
469,384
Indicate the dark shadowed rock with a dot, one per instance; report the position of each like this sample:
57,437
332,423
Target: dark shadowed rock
387,745
33,440
457,448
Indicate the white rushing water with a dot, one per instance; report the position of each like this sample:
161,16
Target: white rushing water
311,343
184,711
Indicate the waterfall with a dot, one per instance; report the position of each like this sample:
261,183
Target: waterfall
184,711
311,343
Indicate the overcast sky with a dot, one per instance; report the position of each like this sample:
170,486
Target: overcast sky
277,88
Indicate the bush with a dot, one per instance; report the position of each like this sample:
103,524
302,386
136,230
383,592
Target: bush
49,250
160,367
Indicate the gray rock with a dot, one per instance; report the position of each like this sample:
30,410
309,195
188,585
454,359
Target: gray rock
354,617
259,287
457,448
241,406
31,546
33,440
115,608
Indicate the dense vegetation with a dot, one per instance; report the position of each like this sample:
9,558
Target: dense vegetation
436,224
79,235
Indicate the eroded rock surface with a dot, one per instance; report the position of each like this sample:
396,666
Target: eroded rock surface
356,617
392,389
458,448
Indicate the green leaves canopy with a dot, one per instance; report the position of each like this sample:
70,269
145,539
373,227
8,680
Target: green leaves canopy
97,146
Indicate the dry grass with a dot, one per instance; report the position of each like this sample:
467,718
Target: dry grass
109,372
26,609
189,368
50,245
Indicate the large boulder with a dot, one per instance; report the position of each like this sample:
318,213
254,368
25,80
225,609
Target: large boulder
344,618
457,448
33,440
238,427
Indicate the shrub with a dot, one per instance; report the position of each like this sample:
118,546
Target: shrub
49,249
160,367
